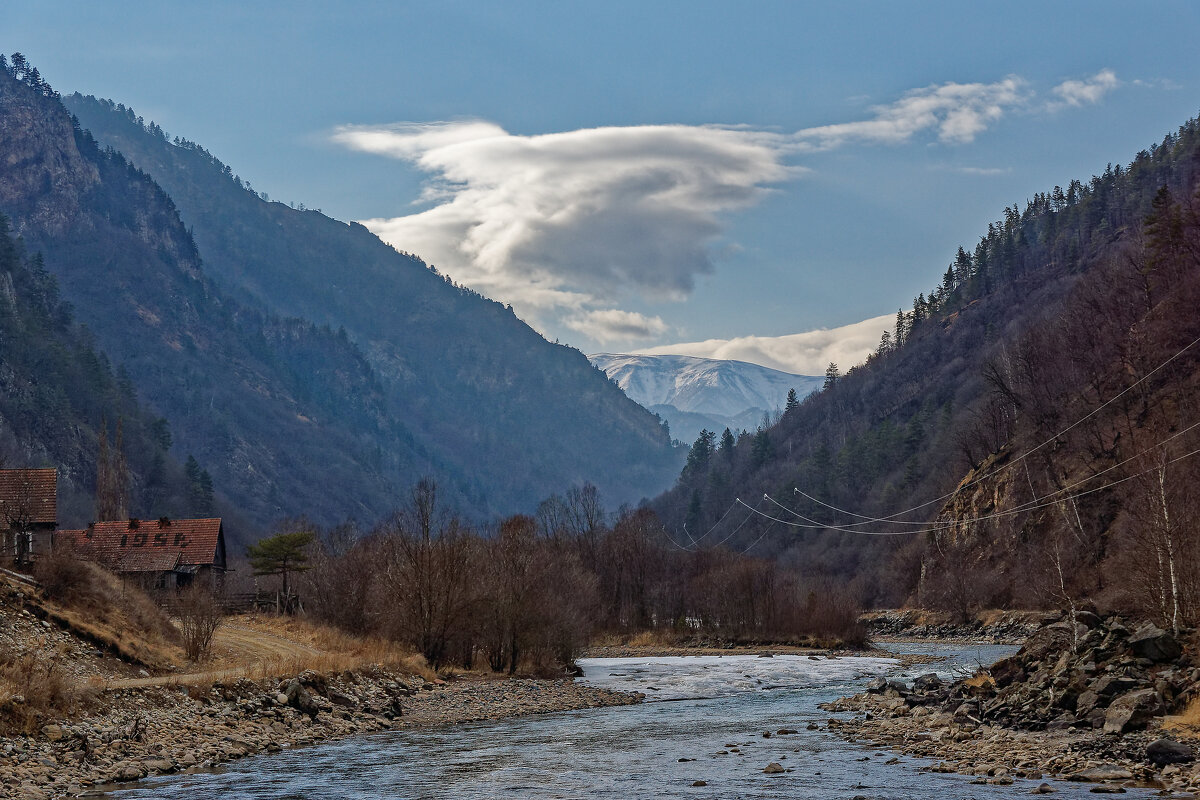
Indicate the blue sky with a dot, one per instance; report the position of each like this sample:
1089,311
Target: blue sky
707,207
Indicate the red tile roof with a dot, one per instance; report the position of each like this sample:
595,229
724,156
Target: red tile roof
149,560
31,493
148,545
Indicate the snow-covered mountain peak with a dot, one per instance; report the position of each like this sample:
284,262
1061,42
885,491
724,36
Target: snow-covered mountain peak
708,392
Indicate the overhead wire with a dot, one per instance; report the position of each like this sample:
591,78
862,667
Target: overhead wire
1020,510
1012,462
1093,476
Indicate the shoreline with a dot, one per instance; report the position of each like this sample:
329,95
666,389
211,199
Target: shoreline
996,755
1085,699
160,730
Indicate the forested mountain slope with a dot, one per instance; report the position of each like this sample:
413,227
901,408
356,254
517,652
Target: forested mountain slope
507,415
1051,366
273,407
57,394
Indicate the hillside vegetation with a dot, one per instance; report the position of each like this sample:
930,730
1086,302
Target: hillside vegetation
501,417
1050,375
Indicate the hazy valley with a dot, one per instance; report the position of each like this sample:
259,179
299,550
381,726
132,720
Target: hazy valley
270,479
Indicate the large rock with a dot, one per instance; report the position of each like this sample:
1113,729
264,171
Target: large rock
1132,711
1106,772
300,698
1165,751
927,683
1006,671
1044,641
1152,642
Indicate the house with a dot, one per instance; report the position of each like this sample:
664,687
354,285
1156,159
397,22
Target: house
28,514
157,554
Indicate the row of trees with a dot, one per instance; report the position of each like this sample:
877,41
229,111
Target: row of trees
534,590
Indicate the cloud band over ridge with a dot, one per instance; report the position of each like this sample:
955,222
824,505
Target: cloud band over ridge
567,225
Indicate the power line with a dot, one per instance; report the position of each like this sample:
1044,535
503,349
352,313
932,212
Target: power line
739,527
849,525
1013,462
1020,510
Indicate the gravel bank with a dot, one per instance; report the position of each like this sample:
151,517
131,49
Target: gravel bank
169,729
1084,700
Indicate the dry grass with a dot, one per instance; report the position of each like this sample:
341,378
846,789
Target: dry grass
293,644
35,688
1186,723
980,681
96,605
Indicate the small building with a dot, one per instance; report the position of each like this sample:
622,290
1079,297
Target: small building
28,514
157,554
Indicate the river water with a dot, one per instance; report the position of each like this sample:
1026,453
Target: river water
712,711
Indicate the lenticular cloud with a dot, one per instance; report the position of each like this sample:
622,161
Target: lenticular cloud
565,219
567,225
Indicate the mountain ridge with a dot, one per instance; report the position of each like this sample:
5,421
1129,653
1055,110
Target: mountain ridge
512,417
692,392
992,452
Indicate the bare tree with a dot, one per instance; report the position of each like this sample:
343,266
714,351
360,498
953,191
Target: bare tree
430,571
199,617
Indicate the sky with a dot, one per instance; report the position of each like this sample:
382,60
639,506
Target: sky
768,182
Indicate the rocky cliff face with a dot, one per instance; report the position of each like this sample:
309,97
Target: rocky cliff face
44,184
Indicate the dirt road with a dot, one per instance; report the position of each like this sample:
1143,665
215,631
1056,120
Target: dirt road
243,647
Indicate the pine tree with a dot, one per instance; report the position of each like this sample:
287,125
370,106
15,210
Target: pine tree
727,445
699,456
832,375
200,488
793,402
119,471
762,449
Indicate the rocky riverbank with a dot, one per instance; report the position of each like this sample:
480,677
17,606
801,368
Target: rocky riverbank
1084,699
998,627
157,730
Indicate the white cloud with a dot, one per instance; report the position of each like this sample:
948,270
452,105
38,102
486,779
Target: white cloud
613,325
801,353
957,111
567,225
1076,93
594,213
985,171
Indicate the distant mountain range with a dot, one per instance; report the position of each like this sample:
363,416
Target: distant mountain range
693,393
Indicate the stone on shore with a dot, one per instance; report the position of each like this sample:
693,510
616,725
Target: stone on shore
1152,642
1132,711
1166,751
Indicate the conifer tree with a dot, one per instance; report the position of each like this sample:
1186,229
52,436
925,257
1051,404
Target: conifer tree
832,374
727,445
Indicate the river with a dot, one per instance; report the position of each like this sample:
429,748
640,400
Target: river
704,720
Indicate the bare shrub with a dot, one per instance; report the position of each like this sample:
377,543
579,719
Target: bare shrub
199,617
34,688
64,577
832,612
